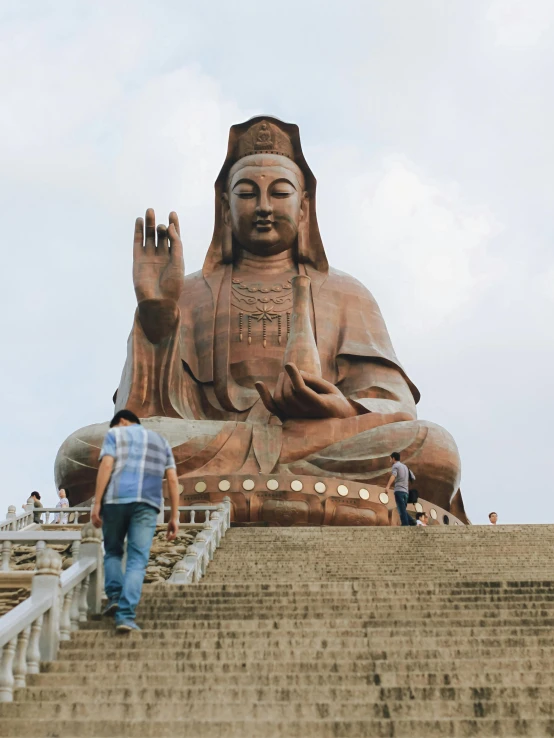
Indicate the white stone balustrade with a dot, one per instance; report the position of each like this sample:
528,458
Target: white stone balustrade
15,522
217,520
59,602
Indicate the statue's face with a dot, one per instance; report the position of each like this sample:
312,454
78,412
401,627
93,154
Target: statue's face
265,203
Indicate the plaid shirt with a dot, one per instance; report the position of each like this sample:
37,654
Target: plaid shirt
141,460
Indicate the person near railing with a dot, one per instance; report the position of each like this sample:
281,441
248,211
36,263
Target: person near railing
34,499
128,498
61,517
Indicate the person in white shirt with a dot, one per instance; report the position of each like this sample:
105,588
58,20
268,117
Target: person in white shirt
493,518
422,519
61,518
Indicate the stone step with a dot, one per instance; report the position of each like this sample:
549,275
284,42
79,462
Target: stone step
410,708
425,728
467,675
359,627
193,599
143,656
236,694
371,669
385,589
102,639
149,640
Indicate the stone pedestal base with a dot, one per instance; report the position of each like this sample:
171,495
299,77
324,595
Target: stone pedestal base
285,500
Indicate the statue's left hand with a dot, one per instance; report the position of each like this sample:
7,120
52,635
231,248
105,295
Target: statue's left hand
299,394
158,270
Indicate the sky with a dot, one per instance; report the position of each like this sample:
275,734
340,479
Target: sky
428,125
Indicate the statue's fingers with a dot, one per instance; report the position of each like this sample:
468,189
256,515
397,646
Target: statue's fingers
162,239
322,386
296,394
278,391
295,377
174,218
175,244
267,399
138,240
150,231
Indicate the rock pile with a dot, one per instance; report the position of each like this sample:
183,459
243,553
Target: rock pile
23,558
9,598
164,555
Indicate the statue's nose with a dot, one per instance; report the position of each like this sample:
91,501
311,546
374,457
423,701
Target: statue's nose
264,205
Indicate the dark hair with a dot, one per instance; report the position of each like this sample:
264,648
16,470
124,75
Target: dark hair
395,455
493,513
420,515
124,415
35,494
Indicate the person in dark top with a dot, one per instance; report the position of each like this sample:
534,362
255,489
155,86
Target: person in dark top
34,499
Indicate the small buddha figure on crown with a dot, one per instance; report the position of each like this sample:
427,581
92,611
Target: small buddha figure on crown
268,361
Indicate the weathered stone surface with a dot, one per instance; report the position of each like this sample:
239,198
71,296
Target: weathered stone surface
321,632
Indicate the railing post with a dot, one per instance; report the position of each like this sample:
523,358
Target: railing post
6,552
91,540
227,503
20,664
46,581
11,516
33,650
6,671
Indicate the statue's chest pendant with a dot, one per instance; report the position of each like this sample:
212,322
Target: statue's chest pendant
265,305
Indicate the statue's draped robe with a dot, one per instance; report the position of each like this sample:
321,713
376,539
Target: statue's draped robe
224,427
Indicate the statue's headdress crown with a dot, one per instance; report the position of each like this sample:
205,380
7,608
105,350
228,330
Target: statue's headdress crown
264,138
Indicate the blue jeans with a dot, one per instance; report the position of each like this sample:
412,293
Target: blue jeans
137,521
401,503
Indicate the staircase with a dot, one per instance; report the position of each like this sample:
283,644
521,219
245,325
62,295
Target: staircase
343,632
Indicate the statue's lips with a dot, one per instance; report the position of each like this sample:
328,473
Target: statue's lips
263,225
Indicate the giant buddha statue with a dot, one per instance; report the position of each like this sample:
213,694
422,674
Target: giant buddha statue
271,374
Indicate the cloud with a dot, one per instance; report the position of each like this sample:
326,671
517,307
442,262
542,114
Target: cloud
413,239
519,24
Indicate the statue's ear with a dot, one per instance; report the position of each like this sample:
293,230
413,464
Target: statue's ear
303,248
227,231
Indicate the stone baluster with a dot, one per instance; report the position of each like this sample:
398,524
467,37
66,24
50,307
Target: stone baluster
91,546
181,573
20,664
222,510
76,518
192,516
33,650
46,581
75,548
227,505
201,545
65,617
83,600
74,609
6,552
215,527
193,559
46,518
6,671
39,546
11,516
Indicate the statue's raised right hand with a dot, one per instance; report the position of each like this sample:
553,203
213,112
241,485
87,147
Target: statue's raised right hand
158,270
